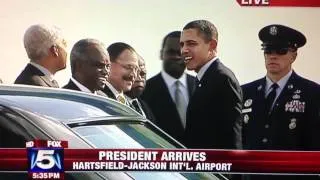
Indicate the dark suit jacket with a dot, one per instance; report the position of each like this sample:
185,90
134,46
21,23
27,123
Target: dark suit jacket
71,85
109,93
214,111
146,109
287,127
157,96
143,107
33,76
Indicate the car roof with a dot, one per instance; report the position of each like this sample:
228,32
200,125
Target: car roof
62,104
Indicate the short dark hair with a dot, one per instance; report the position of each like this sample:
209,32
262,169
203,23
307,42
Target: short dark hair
117,48
204,27
173,34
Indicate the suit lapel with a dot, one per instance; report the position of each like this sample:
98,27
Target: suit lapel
260,97
72,86
191,85
109,93
128,102
45,78
101,93
209,72
164,89
34,70
47,81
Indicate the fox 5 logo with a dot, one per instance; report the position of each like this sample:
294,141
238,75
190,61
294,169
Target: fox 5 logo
45,160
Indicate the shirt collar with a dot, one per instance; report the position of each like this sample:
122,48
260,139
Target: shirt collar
81,87
204,68
116,93
113,90
281,83
44,70
169,80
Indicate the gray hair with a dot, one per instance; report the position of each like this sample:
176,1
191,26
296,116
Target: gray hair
81,52
39,38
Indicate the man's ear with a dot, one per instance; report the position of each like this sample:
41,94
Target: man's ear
54,50
294,56
78,68
213,44
161,54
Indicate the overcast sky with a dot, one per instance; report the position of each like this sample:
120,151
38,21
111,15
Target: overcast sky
143,24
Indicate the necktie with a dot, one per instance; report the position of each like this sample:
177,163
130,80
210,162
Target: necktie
271,96
121,99
55,83
180,103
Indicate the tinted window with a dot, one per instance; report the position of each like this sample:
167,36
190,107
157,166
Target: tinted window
11,133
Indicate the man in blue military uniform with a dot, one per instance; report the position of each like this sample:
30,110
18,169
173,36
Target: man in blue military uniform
281,110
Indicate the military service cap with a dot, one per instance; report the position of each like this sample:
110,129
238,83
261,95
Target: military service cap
279,36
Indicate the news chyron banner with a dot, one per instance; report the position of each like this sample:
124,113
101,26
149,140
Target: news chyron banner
44,159
280,3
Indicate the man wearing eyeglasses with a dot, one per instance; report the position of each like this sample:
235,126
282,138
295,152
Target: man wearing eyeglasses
124,69
281,110
90,66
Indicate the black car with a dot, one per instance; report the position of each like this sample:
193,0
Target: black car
85,121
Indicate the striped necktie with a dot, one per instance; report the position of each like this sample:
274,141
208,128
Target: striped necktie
271,97
180,103
121,99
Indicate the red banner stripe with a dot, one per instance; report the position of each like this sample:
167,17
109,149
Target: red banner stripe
280,3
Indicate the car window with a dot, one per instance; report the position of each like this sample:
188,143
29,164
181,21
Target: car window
64,109
11,133
123,135
133,135
15,134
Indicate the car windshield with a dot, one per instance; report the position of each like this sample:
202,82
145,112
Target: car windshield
133,135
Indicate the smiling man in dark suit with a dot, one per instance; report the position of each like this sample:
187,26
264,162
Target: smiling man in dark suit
46,49
167,101
90,66
214,111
